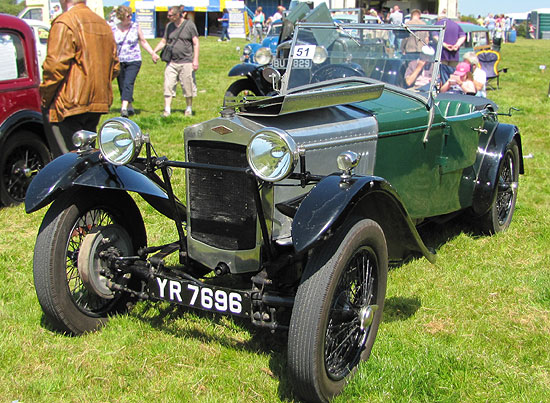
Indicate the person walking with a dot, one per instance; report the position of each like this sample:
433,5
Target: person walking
182,37
258,22
225,25
128,36
80,65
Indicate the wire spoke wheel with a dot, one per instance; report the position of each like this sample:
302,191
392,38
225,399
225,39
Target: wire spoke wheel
21,159
85,300
65,286
499,216
337,309
507,188
346,331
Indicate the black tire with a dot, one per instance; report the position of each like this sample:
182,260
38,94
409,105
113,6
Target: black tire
242,87
499,216
329,299
67,304
23,155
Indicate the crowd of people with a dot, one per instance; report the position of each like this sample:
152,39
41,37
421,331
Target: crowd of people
258,24
498,25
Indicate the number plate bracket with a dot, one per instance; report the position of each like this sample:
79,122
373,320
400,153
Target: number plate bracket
206,297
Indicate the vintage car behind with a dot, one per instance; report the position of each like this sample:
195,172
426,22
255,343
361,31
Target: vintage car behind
294,204
477,38
256,57
23,145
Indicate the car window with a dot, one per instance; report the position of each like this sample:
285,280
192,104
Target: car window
479,38
13,57
33,14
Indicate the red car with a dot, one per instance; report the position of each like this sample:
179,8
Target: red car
23,145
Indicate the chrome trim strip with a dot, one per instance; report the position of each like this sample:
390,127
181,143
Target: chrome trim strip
336,142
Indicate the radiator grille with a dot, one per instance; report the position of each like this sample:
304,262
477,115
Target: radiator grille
223,212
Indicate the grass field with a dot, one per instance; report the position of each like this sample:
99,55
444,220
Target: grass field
475,326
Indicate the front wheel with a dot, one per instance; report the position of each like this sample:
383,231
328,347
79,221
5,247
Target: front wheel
243,87
499,216
337,310
67,273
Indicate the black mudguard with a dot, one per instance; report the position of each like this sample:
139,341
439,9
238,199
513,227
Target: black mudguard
73,170
485,189
244,69
21,119
327,206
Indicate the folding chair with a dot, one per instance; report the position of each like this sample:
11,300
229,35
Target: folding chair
488,61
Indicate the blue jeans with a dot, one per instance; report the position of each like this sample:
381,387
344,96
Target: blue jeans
127,78
225,34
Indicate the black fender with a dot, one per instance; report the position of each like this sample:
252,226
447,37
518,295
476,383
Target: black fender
485,188
73,170
331,201
24,119
253,72
244,69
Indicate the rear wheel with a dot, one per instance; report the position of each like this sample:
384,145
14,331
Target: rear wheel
23,155
337,310
499,216
74,297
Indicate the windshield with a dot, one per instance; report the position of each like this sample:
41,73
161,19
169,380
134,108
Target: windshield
398,56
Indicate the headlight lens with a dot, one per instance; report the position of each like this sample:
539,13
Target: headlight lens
263,56
120,140
272,154
320,55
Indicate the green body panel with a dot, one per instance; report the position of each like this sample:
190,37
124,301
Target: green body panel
427,176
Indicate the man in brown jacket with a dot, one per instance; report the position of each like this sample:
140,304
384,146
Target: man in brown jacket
78,70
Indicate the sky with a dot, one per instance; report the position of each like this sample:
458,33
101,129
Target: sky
108,3
484,7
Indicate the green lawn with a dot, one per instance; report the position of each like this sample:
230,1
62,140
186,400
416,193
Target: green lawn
473,327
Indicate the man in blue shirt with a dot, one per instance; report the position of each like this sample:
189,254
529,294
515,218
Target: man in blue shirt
225,25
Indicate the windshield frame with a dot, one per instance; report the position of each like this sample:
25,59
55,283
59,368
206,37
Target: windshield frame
437,32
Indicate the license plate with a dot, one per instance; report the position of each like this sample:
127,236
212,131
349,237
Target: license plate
281,64
205,297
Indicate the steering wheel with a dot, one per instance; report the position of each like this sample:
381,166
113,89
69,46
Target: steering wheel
333,71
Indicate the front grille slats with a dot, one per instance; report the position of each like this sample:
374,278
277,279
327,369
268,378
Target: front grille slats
222,208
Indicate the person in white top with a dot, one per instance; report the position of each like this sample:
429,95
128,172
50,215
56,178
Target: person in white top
479,75
396,16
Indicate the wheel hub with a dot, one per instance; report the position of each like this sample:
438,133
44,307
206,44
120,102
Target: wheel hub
366,316
92,266
21,169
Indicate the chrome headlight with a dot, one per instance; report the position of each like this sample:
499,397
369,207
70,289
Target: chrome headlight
120,140
320,55
272,154
263,56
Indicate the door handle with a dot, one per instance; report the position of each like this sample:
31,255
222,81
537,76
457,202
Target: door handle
480,130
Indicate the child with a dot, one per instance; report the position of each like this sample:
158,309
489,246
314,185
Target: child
461,81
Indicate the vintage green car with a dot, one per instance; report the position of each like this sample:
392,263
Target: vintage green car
294,203
477,38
